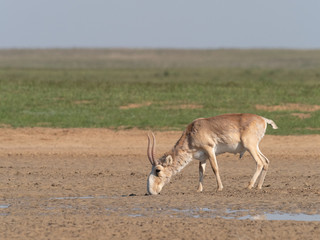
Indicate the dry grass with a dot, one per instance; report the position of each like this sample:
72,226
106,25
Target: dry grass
289,107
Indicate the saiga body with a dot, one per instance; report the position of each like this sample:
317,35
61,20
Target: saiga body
203,140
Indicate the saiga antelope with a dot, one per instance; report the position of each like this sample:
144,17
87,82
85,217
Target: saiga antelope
204,139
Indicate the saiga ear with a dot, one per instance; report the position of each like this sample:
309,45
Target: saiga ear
168,160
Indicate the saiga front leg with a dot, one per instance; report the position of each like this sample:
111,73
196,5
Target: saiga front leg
214,165
202,169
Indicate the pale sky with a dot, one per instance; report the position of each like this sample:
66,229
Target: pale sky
160,24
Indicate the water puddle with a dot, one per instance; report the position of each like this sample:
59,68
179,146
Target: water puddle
277,215
242,214
47,206
292,217
4,206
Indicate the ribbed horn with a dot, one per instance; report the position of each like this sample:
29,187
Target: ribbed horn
154,149
149,151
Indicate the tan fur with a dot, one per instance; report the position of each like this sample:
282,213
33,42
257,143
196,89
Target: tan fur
204,139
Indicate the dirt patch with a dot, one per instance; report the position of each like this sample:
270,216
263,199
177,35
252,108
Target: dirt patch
289,107
136,105
167,106
91,184
301,115
184,106
79,102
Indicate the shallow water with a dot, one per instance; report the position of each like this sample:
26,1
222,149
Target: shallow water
4,206
241,214
140,211
292,217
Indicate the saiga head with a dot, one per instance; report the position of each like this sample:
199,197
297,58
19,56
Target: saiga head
160,173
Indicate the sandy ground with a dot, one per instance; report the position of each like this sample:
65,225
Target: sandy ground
91,184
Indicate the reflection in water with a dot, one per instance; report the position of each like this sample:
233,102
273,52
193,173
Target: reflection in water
293,217
140,211
244,214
